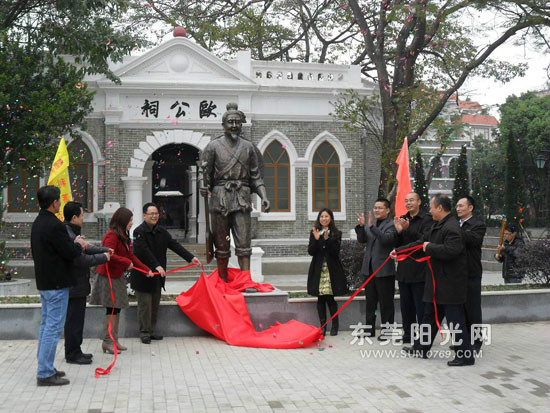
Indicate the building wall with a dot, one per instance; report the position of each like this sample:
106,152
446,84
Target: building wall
301,135
119,146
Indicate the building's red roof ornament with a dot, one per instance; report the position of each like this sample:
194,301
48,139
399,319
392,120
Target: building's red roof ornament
180,32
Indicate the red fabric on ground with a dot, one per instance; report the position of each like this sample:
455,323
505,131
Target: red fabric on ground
219,308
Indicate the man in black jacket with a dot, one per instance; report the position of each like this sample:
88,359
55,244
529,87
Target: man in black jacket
53,252
473,232
80,270
151,241
411,274
444,244
508,253
379,236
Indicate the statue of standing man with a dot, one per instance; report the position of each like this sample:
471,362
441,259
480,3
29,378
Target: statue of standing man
232,170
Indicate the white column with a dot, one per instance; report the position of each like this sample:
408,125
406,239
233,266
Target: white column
148,187
133,188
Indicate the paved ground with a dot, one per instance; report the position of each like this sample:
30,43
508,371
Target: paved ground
206,375
299,282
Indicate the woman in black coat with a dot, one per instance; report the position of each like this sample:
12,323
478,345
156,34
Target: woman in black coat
326,274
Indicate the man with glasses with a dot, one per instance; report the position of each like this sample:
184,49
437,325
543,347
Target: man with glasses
379,235
151,242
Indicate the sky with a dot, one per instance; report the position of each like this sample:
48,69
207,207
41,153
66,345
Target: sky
491,93
487,27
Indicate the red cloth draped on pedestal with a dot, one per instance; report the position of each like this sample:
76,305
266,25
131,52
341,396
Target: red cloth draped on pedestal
219,308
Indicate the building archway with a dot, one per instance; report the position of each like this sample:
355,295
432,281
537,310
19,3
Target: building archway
172,176
139,180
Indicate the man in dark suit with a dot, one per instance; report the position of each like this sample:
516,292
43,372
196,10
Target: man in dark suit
445,246
508,252
80,271
379,236
473,232
151,242
411,274
53,252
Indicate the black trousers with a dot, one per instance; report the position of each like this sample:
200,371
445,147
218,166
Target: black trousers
147,308
379,290
74,327
454,313
472,308
412,306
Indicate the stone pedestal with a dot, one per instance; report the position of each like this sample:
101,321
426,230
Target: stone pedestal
15,287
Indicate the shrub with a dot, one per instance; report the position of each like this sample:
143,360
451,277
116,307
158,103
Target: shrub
351,254
533,261
5,271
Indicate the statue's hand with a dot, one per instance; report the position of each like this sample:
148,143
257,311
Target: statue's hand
266,205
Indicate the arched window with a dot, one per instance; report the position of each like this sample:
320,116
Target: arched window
277,177
452,167
326,178
437,173
22,191
81,166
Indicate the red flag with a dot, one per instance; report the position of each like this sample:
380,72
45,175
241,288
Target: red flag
403,179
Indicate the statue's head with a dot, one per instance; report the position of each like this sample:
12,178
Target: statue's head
232,121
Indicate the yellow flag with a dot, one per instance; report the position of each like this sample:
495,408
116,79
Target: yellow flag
59,175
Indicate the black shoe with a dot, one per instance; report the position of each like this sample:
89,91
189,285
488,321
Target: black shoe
146,340
79,360
88,355
156,337
461,362
414,352
54,380
58,373
334,330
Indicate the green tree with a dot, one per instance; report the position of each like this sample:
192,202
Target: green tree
41,98
478,198
526,121
514,188
418,53
488,160
420,186
461,186
42,93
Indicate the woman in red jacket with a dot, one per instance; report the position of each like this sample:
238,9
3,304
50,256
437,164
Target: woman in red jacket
117,238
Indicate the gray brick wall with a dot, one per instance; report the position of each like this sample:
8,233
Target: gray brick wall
361,183
359,189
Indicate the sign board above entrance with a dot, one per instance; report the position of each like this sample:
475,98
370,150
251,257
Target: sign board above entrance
175,108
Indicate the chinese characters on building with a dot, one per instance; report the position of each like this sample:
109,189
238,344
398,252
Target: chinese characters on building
179,109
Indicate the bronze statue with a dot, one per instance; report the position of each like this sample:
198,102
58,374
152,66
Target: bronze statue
232,170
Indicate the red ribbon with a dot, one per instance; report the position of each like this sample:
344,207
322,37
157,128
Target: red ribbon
401,256
99,371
